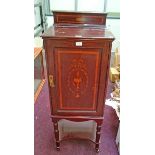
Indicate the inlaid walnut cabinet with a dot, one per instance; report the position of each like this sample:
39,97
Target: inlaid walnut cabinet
77,49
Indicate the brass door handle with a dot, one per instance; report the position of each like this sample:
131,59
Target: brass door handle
51,81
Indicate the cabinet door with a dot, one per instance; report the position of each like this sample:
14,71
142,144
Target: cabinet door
77,73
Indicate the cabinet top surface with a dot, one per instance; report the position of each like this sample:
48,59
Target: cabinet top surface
78,31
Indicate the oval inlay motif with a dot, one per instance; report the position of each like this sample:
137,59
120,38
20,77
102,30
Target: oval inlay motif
77,77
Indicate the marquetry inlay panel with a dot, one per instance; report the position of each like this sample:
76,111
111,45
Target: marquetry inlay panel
77,80
78,74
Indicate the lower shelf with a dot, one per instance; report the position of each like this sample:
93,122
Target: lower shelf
74,130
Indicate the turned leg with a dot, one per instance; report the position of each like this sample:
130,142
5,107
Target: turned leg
98,133
56,132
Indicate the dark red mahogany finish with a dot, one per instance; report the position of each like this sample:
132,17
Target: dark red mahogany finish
79,18
78,49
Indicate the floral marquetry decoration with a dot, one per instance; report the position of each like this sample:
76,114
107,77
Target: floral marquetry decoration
77,77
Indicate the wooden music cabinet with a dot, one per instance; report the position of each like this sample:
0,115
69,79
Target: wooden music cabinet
78,50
